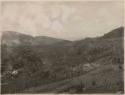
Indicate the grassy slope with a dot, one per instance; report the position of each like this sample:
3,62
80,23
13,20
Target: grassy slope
105,82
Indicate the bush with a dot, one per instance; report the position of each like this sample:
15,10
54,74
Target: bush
93,83
120,67
80,87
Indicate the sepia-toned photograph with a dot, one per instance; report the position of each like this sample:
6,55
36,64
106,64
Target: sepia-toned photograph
67,47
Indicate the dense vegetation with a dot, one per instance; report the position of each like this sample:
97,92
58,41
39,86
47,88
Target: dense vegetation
84,66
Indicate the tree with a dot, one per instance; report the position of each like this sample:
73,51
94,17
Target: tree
120,67
80,87
93,83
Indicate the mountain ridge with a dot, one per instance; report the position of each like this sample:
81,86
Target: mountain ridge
9,36
46,40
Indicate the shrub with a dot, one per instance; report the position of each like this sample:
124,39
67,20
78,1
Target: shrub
93,83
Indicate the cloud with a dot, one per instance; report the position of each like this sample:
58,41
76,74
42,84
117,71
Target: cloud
68,20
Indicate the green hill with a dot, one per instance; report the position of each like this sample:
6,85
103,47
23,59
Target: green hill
40,61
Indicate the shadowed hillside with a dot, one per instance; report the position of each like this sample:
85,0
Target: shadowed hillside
50,65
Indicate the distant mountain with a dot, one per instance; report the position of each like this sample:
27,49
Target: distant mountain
119,32
91,49
15,38
12,38
45,40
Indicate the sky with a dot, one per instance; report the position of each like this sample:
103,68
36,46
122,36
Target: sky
65,20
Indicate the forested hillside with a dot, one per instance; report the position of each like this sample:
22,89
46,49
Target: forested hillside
82,66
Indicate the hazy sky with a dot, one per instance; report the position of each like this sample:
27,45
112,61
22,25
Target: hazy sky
67,20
